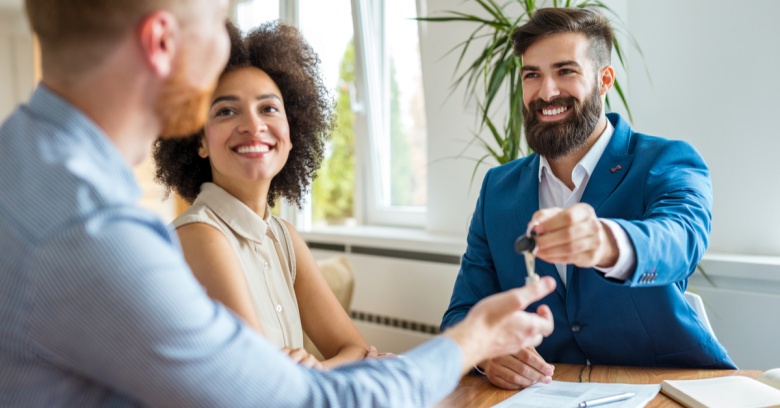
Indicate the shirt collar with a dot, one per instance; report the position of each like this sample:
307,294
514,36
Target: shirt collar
588,162
234,213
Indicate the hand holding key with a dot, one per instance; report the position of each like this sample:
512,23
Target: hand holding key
526,245
574,235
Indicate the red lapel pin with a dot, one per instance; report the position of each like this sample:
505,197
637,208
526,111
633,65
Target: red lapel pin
616,168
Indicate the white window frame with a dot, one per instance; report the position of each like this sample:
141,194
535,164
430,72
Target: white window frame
372,115
373,81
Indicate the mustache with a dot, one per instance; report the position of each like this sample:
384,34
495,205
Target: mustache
537,105
560,138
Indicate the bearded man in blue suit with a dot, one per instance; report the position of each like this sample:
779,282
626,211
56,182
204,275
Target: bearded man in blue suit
622,218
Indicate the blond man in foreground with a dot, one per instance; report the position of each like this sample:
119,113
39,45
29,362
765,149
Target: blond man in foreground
98,305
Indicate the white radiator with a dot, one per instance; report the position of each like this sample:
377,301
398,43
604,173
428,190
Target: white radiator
398,303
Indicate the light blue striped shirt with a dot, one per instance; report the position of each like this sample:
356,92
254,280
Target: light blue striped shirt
98,307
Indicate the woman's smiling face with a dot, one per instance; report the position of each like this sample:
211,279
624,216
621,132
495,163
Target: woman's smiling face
247,136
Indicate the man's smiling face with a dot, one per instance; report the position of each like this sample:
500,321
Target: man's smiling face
562,95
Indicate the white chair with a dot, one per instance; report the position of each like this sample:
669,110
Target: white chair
698,305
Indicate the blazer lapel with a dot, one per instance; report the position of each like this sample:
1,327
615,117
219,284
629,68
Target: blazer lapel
528,191
611,168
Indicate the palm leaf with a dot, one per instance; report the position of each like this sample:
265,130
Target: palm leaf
494,10
619,90
492,127
498,74
476,167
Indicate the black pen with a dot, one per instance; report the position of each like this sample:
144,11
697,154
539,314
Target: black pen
606,400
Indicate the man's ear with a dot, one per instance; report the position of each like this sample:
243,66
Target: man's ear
606,79
157,34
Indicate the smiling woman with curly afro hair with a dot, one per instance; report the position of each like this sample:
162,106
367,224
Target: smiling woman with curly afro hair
264,139
281,52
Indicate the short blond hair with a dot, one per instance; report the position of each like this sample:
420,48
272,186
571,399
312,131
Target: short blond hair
75,35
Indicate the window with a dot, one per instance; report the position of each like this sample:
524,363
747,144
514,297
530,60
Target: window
328,27
374,170
252,13
395,118
406,102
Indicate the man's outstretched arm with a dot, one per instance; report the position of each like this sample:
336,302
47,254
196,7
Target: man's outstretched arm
116,305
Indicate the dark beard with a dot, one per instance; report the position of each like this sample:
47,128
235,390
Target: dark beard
554,140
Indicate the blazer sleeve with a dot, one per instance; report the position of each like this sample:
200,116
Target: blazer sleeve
673,234
477,277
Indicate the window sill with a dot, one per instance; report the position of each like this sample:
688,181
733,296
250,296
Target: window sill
392,238
735,266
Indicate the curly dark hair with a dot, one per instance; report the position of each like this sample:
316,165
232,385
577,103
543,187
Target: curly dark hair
281,52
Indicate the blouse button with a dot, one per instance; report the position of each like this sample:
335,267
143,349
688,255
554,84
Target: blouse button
279,308
265,266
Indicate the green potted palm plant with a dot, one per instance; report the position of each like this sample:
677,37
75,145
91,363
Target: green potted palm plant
496,71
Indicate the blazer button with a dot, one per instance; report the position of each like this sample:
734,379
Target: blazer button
575,328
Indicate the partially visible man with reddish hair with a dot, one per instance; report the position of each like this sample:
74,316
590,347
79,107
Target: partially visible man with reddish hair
159,59
97,304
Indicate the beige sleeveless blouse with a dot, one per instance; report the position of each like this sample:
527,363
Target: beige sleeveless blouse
264,248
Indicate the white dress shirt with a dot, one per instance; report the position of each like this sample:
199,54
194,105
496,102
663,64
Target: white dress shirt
554,193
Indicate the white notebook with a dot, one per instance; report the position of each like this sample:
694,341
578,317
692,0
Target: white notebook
727,392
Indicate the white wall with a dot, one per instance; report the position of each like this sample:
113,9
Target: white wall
450,125
714,83
712,65
16,60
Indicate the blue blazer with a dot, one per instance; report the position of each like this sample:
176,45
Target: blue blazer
659,191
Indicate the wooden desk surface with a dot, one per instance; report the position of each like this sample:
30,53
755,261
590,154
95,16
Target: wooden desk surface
477,391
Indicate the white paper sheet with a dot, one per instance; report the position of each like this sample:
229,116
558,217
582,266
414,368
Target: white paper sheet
570,395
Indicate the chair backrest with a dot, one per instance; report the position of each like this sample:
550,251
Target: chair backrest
338,272
340,277
698,305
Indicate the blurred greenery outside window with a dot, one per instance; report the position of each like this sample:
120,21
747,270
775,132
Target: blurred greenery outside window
333,191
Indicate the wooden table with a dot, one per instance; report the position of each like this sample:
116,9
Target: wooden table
477,391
